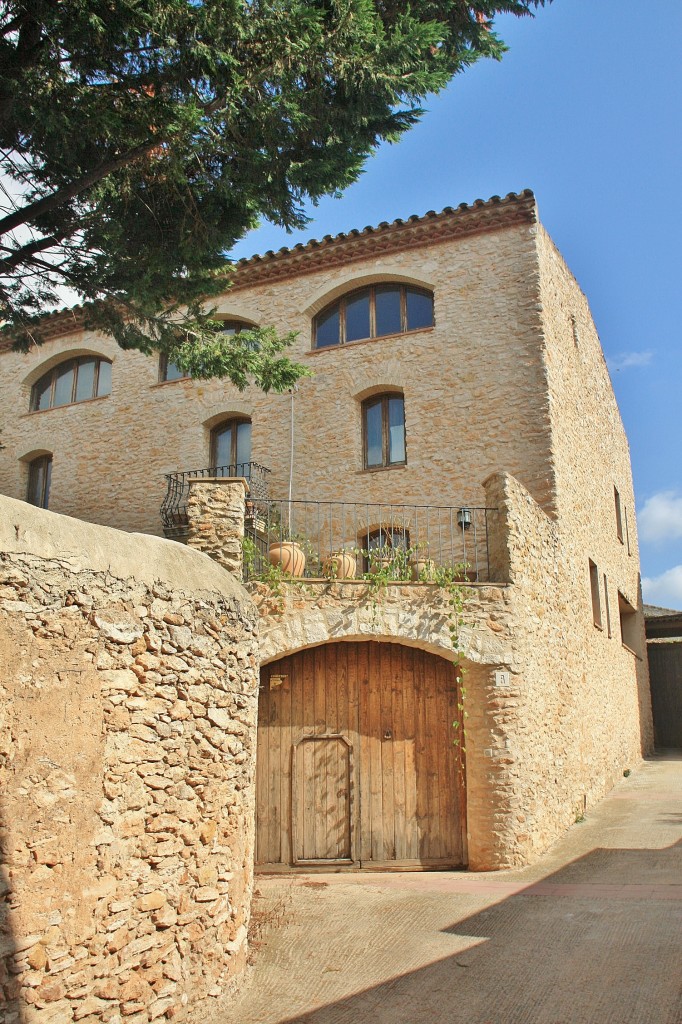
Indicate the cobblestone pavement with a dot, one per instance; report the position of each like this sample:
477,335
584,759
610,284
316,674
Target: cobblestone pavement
591,935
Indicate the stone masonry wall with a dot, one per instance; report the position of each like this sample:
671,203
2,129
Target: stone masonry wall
128,700
546,736
473,387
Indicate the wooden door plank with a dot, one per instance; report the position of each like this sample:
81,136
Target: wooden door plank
334,760
286,667
421,774
407,656
434,845
364,766
353,729
448,781
387,741
320,759
397,687
306,816
374,743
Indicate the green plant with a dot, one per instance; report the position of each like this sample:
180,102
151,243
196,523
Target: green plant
627,773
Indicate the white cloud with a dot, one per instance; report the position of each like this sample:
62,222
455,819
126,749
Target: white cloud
664,590
660,518
626,360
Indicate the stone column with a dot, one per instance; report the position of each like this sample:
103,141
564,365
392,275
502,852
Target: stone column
215,513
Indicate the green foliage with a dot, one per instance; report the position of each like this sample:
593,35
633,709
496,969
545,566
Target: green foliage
145,137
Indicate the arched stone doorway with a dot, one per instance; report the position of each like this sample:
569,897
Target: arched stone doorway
357,762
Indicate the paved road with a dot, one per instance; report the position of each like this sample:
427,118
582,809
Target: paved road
591,935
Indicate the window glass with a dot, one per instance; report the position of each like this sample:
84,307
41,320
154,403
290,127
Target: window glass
357,317
39,476
85,379
373,434
42,392
388,320
374,312
419,309
328,329
223,446
243,452
63,386
104,380
172,372
396,430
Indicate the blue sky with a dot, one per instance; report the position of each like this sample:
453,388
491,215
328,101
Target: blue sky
585,110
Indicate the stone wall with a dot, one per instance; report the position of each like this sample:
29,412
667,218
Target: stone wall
473,385
548,732
128,700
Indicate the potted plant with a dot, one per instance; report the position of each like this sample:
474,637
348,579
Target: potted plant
288,556
340,565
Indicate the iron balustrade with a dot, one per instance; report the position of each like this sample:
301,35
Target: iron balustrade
406,540
174,505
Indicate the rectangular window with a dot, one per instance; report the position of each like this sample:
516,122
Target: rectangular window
619,515
594,591
627,531
383,431
629,632
39,477
607,607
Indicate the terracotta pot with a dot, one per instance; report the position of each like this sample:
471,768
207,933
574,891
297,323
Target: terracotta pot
422,569
289,556
340,565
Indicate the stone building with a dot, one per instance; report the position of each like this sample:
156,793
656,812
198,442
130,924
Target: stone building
459,411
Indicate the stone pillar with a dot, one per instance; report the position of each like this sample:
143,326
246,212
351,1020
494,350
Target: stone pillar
498,527
215,513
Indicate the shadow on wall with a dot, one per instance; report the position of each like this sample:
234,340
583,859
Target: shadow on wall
596,941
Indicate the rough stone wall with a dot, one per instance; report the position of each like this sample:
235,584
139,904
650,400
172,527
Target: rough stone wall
473,387
128,700
591,457
546,735
215,513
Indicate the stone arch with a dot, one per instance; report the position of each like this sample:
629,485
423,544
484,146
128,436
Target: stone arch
351,280
316,625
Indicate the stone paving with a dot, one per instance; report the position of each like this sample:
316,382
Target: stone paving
591,935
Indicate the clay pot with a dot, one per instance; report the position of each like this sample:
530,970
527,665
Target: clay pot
422,569
287,555
340,565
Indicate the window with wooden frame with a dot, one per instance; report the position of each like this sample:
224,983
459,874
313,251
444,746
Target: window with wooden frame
383,431
39,477
373,312
619,515
74,380
169,371
630,633
594,592
231,447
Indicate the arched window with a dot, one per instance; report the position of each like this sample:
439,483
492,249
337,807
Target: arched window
231,447
382,545
373,312
39,476
383,431
169,371
75,380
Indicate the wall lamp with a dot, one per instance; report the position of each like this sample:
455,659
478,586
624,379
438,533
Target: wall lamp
464,518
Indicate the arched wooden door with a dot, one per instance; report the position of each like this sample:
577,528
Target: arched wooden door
356,762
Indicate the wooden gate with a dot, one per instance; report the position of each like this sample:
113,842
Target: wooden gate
356,762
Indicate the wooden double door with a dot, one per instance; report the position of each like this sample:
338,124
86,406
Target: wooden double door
357,762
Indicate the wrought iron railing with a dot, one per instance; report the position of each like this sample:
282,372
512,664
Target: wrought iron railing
402,541
174,506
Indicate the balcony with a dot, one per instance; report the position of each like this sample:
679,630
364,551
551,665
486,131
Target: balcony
402,542
174,505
